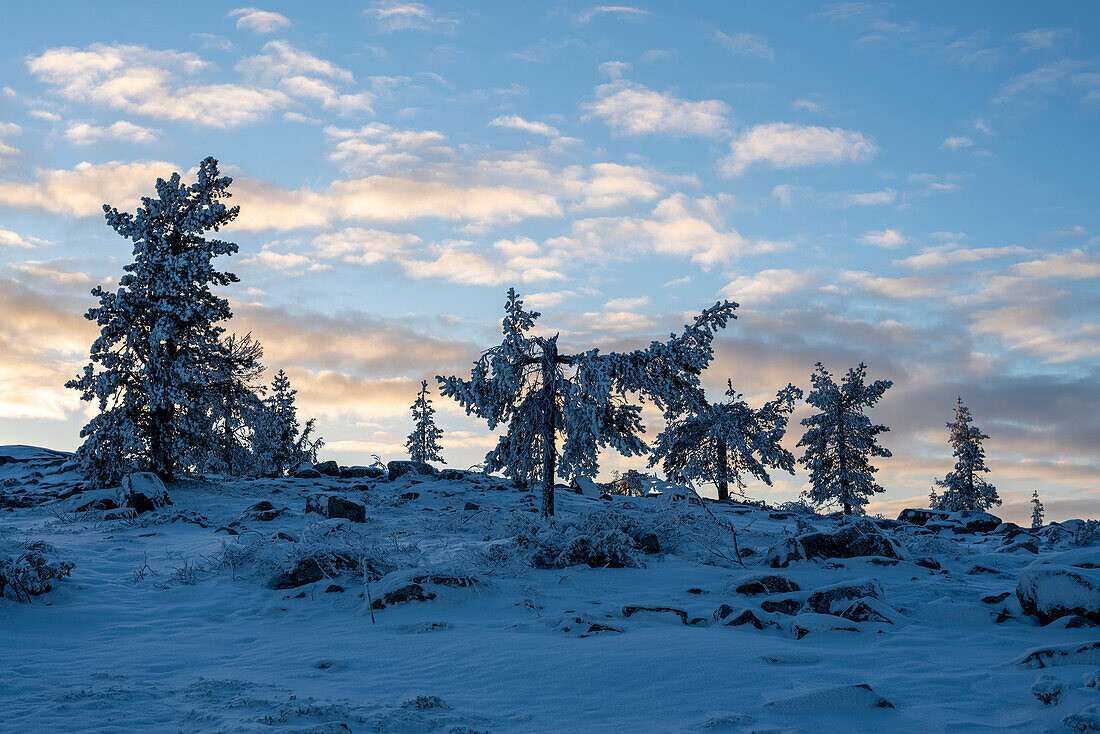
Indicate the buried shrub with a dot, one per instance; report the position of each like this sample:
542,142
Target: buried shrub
603,539
26,570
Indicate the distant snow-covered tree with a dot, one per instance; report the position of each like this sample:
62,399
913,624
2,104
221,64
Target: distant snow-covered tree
933,499
722,442
279,442
423,443
526,383
840,439
1036,510
965,488
160,346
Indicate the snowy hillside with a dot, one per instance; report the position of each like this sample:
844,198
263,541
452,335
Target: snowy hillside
443,603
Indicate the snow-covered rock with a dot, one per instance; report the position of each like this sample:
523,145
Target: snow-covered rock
860,538
1081,653
836,598
1062,585
142,491
1086,720
859,696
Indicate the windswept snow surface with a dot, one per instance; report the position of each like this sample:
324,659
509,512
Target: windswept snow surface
167,623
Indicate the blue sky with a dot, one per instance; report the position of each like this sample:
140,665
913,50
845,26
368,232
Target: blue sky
911,185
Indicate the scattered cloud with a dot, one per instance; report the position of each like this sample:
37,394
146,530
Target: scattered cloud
1043,39
258,21
85,134
871,198
785,145
760,288
391,17
515,122
629,108
888,238
957,141
623,12
746,44
9,238
952,254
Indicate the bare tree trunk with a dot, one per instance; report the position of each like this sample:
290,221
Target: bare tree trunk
723,485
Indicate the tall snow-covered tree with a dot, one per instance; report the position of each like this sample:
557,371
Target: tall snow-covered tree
965,488
160,346
526,383
840,439
279,442
423,443
1037,515
723,442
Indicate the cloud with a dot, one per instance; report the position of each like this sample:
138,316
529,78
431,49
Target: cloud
678,227
409,16
753,290
7,129
459,262
611,185
1063,77
952,254
85,134
871,198
614,69
14,239
363,246
144,81
515,122
279,60
784,145
1072,265
957,141
629,108
1039,39
83,190
380,146
746,44
888,238
912,286
624,12
258,21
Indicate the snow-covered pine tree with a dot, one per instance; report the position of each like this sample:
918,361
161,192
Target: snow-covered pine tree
1037,515
933,499
423,443
279,443
152,367
236,403
840,439
965,488
526,383
721,442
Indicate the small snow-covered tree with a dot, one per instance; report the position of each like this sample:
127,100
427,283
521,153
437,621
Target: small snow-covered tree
236,402
933,499
840,439
423,443
526,383
965,488
1036,510
722,442
160,345
279,442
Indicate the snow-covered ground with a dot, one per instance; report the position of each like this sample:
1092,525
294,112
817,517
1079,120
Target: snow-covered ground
167,622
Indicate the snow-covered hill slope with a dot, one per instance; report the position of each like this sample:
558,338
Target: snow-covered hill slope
169,621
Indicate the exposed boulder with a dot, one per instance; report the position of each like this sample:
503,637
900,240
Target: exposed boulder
1062,585
1048,689
869,609
262,511
452,475
345,508
837,598
309,473
859,696
400,468
648,543
976,521
312,569
919,516
142,492
328,468
767,584
410,592
361,472
1086,720
859,538
782,605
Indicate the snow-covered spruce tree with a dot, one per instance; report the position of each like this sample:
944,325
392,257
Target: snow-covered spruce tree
840,439
722,442
526,383
279,443
965,488
933,499
423,443
235,405
1037,515
160,345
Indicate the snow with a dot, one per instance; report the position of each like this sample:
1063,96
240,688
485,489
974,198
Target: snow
167,624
